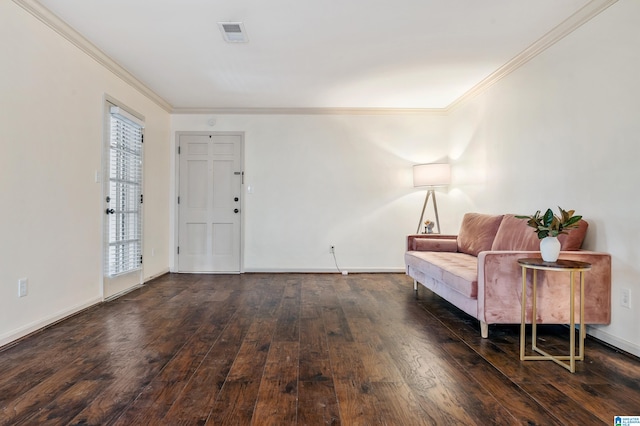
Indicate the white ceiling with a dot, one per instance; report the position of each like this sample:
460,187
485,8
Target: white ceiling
313,53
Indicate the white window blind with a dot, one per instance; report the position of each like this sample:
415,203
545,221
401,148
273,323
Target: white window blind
124,200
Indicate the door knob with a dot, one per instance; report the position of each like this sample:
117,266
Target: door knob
236,199
110,211
236,210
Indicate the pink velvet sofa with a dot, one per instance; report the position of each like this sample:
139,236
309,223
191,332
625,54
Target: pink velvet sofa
477,271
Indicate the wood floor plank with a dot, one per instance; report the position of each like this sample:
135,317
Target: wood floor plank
235,404
22,407
604,401
237,398
136,365
288,327
520,404
153,402
25,367
300,349
572,412
398,404
318,402
278,394
68,404
336,323
252,356
197,398
346,363
314,351
310,298
431,375
357,404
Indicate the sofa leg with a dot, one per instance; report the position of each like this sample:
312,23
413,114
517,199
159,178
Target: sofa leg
484,329
415,285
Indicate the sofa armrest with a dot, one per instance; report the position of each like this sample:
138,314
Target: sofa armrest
500,288
432,242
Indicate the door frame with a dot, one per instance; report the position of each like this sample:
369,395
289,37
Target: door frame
176,191
119,285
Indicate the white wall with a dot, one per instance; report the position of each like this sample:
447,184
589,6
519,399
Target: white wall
51,124
563,130
321,180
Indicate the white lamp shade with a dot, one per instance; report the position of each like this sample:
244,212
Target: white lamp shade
435,174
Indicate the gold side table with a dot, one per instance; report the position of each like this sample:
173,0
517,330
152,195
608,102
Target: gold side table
561,265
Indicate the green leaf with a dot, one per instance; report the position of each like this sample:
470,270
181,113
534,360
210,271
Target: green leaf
572,222
550,224
566,215
543,234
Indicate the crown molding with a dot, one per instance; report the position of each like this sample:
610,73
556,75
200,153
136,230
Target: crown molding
311,111
582,16
586,13
78,40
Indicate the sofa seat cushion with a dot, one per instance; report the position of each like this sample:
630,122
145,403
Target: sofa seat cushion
458,270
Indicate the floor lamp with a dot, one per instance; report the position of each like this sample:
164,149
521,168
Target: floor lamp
431,175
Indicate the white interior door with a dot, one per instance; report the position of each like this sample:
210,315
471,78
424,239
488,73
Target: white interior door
210,174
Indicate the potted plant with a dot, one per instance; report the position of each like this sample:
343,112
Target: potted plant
428,227
548,227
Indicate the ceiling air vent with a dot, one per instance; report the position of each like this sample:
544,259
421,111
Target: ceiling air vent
233,32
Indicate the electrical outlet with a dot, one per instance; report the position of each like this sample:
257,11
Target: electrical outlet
22,287
332,249
625,298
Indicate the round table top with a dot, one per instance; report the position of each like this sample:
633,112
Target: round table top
558,265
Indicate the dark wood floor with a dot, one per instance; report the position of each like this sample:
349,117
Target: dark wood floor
285,349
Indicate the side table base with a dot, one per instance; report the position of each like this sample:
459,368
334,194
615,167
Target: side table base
558,359
571,267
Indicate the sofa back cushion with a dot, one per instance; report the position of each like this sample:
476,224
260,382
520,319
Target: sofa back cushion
477,232
575,237
514,234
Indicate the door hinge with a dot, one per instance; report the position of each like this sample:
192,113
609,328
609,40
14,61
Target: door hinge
178,150
178,249
141,199
142,138
141,259
178,199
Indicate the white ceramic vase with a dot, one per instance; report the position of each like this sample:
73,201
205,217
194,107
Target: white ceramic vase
550,249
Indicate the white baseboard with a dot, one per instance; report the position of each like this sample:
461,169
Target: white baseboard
154,276
332,270
122,293
135,287
391,270
37,325
617,342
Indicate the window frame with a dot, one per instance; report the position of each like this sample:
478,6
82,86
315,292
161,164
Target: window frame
123,191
